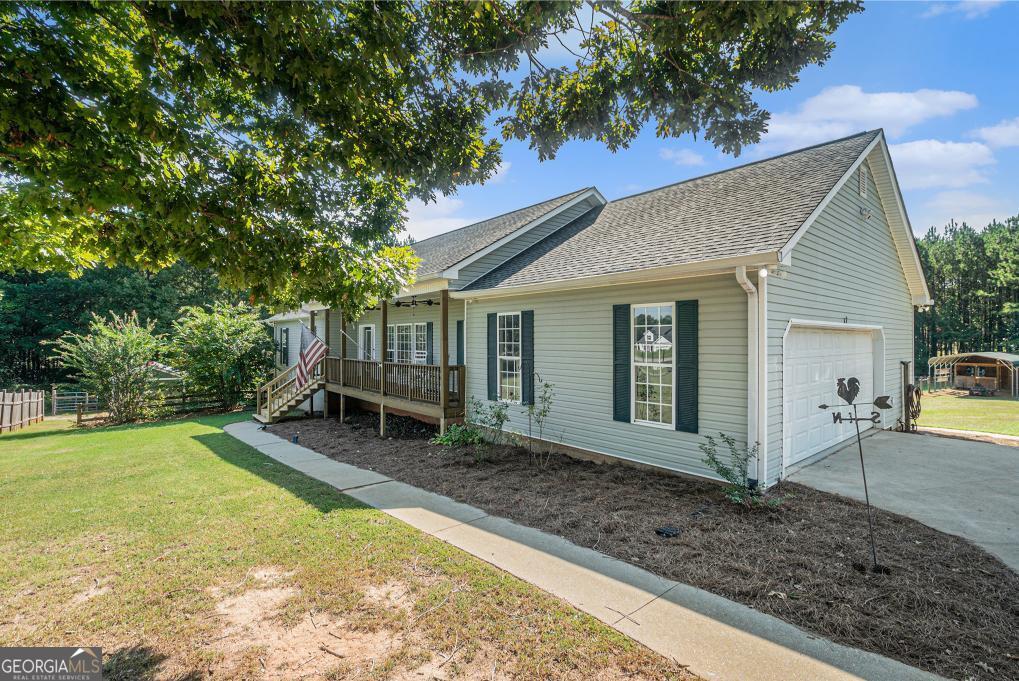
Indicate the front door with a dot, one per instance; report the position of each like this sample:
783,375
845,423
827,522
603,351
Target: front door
367,343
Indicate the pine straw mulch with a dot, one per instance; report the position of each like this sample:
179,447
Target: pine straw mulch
947,607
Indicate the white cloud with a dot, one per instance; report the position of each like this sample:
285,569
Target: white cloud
976,210
969,9
428,219
500,173
682,157
1004,134
933,163
846,109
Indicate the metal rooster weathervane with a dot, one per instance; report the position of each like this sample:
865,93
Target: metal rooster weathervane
849,390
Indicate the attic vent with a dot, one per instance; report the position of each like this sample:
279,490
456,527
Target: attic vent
864,180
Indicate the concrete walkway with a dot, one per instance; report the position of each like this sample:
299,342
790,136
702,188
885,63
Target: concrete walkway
962,487
717,638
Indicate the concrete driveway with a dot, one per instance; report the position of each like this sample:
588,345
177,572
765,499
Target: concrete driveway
962,487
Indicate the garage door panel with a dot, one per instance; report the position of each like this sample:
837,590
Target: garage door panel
814,359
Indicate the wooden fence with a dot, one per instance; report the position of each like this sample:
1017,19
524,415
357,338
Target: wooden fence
20,409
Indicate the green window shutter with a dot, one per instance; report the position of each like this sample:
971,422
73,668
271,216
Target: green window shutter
429,344
460,341
285,347
621,363
686,361
527,357
493,356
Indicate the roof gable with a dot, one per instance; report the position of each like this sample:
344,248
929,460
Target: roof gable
446,250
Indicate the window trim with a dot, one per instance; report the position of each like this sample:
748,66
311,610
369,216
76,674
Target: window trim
633,370
284,356
415,327
519,358
360,342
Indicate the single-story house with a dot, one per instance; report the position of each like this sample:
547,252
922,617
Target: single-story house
992,371
725,303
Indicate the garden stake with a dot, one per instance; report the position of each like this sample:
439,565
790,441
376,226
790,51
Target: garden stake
848,389
866,493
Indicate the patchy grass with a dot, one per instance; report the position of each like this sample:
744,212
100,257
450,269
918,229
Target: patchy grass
953,409
186,554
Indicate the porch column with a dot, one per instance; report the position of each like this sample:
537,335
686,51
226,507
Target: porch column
343,357
444,358
311,400
383,341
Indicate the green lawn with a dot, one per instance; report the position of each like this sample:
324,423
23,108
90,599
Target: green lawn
952,410
186,554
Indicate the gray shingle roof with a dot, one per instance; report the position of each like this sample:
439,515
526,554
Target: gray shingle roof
754,208
445,250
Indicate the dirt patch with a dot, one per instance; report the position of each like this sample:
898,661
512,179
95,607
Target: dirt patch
947,606
254,643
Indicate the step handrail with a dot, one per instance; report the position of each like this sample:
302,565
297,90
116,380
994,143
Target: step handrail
282,387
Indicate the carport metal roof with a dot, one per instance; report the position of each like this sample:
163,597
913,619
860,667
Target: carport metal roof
1004,359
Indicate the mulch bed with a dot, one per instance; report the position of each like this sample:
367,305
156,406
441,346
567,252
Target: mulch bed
947,607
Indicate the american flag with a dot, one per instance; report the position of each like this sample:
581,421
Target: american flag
312,352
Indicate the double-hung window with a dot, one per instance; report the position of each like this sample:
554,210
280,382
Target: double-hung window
407,343
652,364
508,325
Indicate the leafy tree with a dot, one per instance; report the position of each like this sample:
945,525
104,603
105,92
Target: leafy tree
974,280
225,350
277,143
38,307
112,361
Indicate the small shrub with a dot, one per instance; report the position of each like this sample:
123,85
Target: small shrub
491,415
537,414
740,489
459,435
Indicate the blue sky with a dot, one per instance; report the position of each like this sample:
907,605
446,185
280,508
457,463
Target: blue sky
942,79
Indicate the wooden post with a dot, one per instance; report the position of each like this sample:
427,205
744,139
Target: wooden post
444,358
79,413
53,398
384,349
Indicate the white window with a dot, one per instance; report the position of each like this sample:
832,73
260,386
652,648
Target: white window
864,180
509,356
421,343
367,342
652,364
407,343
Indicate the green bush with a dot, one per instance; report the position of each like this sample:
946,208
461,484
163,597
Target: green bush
459,435
223,351
112,361
741,490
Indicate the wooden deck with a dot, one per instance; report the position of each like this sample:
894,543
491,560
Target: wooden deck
415,388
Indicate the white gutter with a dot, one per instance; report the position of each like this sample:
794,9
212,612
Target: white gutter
753,351
762,376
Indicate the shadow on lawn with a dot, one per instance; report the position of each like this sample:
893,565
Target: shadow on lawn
321,495
140,662
215,420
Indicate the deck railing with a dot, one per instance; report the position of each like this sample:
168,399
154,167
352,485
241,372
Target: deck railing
415,382
275,394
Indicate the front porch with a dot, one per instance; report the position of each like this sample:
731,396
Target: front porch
422,374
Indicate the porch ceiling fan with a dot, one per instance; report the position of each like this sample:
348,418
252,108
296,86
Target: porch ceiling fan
414,302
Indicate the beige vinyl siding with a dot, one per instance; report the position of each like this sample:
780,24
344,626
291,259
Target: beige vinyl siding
845,268
573,350
490,261
406,315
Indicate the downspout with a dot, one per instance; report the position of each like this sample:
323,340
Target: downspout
752,356
762,375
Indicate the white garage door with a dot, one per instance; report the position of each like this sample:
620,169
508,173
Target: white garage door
813,360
